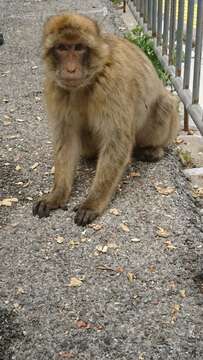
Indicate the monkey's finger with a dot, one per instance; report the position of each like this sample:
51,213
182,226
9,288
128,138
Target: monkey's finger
43,210
84,217
79,217
64,207
35,207
76,208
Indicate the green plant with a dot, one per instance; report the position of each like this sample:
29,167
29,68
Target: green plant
145,42
116,1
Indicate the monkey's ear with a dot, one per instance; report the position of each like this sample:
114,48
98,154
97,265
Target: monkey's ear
48,19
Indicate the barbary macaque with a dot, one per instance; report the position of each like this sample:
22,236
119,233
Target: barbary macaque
104,100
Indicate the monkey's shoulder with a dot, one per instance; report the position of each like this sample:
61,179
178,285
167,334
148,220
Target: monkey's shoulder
128,57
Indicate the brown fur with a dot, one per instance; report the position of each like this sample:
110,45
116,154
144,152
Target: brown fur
119,103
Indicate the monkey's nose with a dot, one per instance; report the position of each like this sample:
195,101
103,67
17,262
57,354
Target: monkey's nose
71,69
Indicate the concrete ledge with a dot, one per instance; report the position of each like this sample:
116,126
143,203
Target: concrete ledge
195,175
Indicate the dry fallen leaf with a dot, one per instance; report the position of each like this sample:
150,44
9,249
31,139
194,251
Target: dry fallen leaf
125,227
134,174
112,245
20,120
164,190
179,141
175,310
152,268
198,192
119,269
130,276
135,240
169,245
162,232
102,249
84,239
11,137
96,227
73,243
7,123
84,325
183,293
114,211
34,166
66,355
18,167
8,201
60,239
20,291
16,306
81,324
75,282
27,184
172,285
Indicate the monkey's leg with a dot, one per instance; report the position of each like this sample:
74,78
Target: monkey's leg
159,131
111,164
66,156
150,154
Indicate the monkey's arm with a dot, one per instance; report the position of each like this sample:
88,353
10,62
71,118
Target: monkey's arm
67,153
110,167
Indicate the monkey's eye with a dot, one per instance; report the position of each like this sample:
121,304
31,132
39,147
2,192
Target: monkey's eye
79,47
61,47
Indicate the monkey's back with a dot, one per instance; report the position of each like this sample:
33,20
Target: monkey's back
129,82
133,67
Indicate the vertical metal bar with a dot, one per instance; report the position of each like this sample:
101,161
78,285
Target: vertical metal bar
172,31
188,49
142,8
198,53
124,5
138,5
154,18
186,120
145,11
166,26
179,46
149,14
160,14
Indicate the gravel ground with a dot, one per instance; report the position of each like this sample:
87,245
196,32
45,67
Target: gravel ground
139,295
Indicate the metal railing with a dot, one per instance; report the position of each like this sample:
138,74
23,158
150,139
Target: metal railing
176,27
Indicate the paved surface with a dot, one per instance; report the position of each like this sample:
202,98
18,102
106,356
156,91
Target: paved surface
140,295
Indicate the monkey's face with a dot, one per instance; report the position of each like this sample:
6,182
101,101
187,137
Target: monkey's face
71,60
74,51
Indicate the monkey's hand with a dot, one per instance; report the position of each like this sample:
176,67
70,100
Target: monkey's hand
46,203
85,214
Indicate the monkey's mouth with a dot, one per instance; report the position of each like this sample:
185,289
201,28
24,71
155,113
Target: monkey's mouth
70,83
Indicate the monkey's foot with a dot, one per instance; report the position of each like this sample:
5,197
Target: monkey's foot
85,215
150,154
44,205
